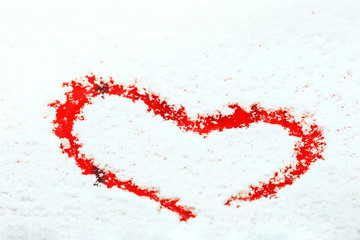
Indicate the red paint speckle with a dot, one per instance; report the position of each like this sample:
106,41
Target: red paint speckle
308,148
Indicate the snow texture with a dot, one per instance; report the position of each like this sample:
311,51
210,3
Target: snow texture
203,55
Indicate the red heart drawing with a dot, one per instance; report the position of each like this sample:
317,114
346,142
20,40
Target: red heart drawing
308,148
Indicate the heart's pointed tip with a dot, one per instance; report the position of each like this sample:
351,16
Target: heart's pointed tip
186,218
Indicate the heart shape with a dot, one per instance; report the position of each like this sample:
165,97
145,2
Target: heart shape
308,148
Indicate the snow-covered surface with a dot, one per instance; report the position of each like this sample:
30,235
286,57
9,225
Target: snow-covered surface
203,55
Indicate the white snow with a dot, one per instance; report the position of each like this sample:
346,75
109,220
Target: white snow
202,55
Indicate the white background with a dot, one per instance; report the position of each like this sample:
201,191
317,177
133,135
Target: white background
203,55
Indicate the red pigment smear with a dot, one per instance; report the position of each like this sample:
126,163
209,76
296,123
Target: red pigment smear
308,148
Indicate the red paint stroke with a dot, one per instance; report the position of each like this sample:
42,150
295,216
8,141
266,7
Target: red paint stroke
308,148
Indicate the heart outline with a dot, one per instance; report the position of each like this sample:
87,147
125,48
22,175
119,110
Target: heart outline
308,149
